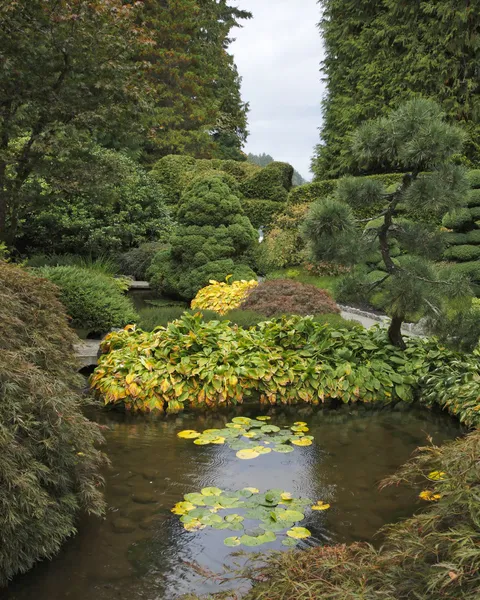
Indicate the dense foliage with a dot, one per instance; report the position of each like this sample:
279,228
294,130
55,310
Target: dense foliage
282,361
434,554
137,261
223,297
388,52
48,463
94,301
277,297
416,139
212,235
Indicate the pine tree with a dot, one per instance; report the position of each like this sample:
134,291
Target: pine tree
380,53
416,140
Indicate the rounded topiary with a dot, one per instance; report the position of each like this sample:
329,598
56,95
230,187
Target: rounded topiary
48,462
474,178
462,253
273,182
287,297
94,301
168,172
459,220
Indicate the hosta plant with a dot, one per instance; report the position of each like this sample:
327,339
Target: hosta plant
255,518
252,438
223,297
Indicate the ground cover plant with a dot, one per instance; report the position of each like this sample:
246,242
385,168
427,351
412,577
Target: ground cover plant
223,297
285,296
275,513
94,301
287,361
50,469
252,438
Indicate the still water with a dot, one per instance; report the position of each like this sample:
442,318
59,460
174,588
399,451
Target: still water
141,551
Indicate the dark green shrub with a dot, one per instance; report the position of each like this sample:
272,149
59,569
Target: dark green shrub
459,220
475,211
468,269
262,212
271,183
474,178
455,239
93,301
48,462
168,172
473,237
212,236
473,198
136,261
311,192
336,321
276,297
462,253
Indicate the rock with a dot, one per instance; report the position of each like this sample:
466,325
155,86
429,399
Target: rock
149,474
122,525
144,498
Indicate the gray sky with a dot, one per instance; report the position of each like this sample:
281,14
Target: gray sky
278,54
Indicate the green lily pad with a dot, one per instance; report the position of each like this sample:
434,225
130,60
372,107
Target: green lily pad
212,500
261,450
231,542
267,537
211,519
290,515
283,449
258,512
256,424
195,498
236,526
290,542
242,420
229,502
222,525
270,429
234,518
198,513
211,491
264,418
271,525
248,540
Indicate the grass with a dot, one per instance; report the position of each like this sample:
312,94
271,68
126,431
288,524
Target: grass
325,282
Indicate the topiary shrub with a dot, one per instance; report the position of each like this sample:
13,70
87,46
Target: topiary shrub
262,212
475,212
470,269
48,462
473,198
93,301
137,261
212,235
474,178
462,253
223,297
473,237
273,182
455,239
168,172
459,220
287,297
311,192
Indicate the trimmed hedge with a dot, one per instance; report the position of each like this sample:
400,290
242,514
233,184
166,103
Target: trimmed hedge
455,239
473,198
93,301
462,253
311,192
262,212
49,467
473,237
469,269
136,262
168,172
459,220
267,184
475,211
474,178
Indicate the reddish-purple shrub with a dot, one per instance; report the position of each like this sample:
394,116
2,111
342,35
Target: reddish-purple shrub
287,297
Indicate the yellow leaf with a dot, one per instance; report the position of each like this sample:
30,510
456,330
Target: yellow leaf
253,490
437,475
130,378
247,454
182,508
302,442
429,496
320,506
188,434
298,533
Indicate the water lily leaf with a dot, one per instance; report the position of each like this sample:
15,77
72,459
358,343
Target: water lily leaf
222,525
248,540
213,501
258,512
188,434
188,518
211,431
267,537
194,525
300,423
234,518
264,418
211,519
231,542
242,421
254,490
290,515
262,450
257,423
289,542
302,442
270,429
234,426
182,508
241,445
250,434
218,440
229,502
247,454
195,498
198,513
235,526
298,533
282,449
211,491
320,506
299,428
271,525
201,442
286,496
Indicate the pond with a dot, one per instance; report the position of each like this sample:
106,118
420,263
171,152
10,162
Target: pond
141,550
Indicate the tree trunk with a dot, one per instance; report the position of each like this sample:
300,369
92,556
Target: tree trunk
395,333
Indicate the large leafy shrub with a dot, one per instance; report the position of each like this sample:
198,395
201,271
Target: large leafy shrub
137,261
153,317
94,203
285,361
278,297
49,467
223,297
93,300
463,253
208,243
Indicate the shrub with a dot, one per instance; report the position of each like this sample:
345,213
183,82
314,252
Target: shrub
473,237
473,198
311,192
474,178
288,297
168,172
223,297
459,220
262,212
137,261
212,236
283,361
470,269
102,264
93,301
153,317
462,253
455,239
271,183
475,212
48,462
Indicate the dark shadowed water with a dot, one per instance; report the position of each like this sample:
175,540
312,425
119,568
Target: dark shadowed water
141,551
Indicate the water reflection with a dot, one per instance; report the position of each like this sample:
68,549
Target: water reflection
140,550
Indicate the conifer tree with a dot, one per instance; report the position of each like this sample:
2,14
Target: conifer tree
417,140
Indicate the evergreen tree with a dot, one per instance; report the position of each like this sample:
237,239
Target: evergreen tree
414,139
380,53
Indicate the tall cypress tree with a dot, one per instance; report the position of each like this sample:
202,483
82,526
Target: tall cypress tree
380,53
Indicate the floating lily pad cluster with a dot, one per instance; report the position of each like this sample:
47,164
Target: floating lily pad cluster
274,513
253,437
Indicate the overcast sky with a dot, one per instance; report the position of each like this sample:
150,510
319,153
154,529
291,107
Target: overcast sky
278,54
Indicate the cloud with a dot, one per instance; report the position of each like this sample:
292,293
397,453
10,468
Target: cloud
278,54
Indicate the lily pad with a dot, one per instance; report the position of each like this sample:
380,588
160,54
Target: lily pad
201,442
298,533
278,526
320,506
300,423
182,508
282,449
188,434
211,491
264,418
231,542
242,421
211,519
262,450
290,515
270,429
302,442
250,541
289,542
195,498
257,423
247,454
267,537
